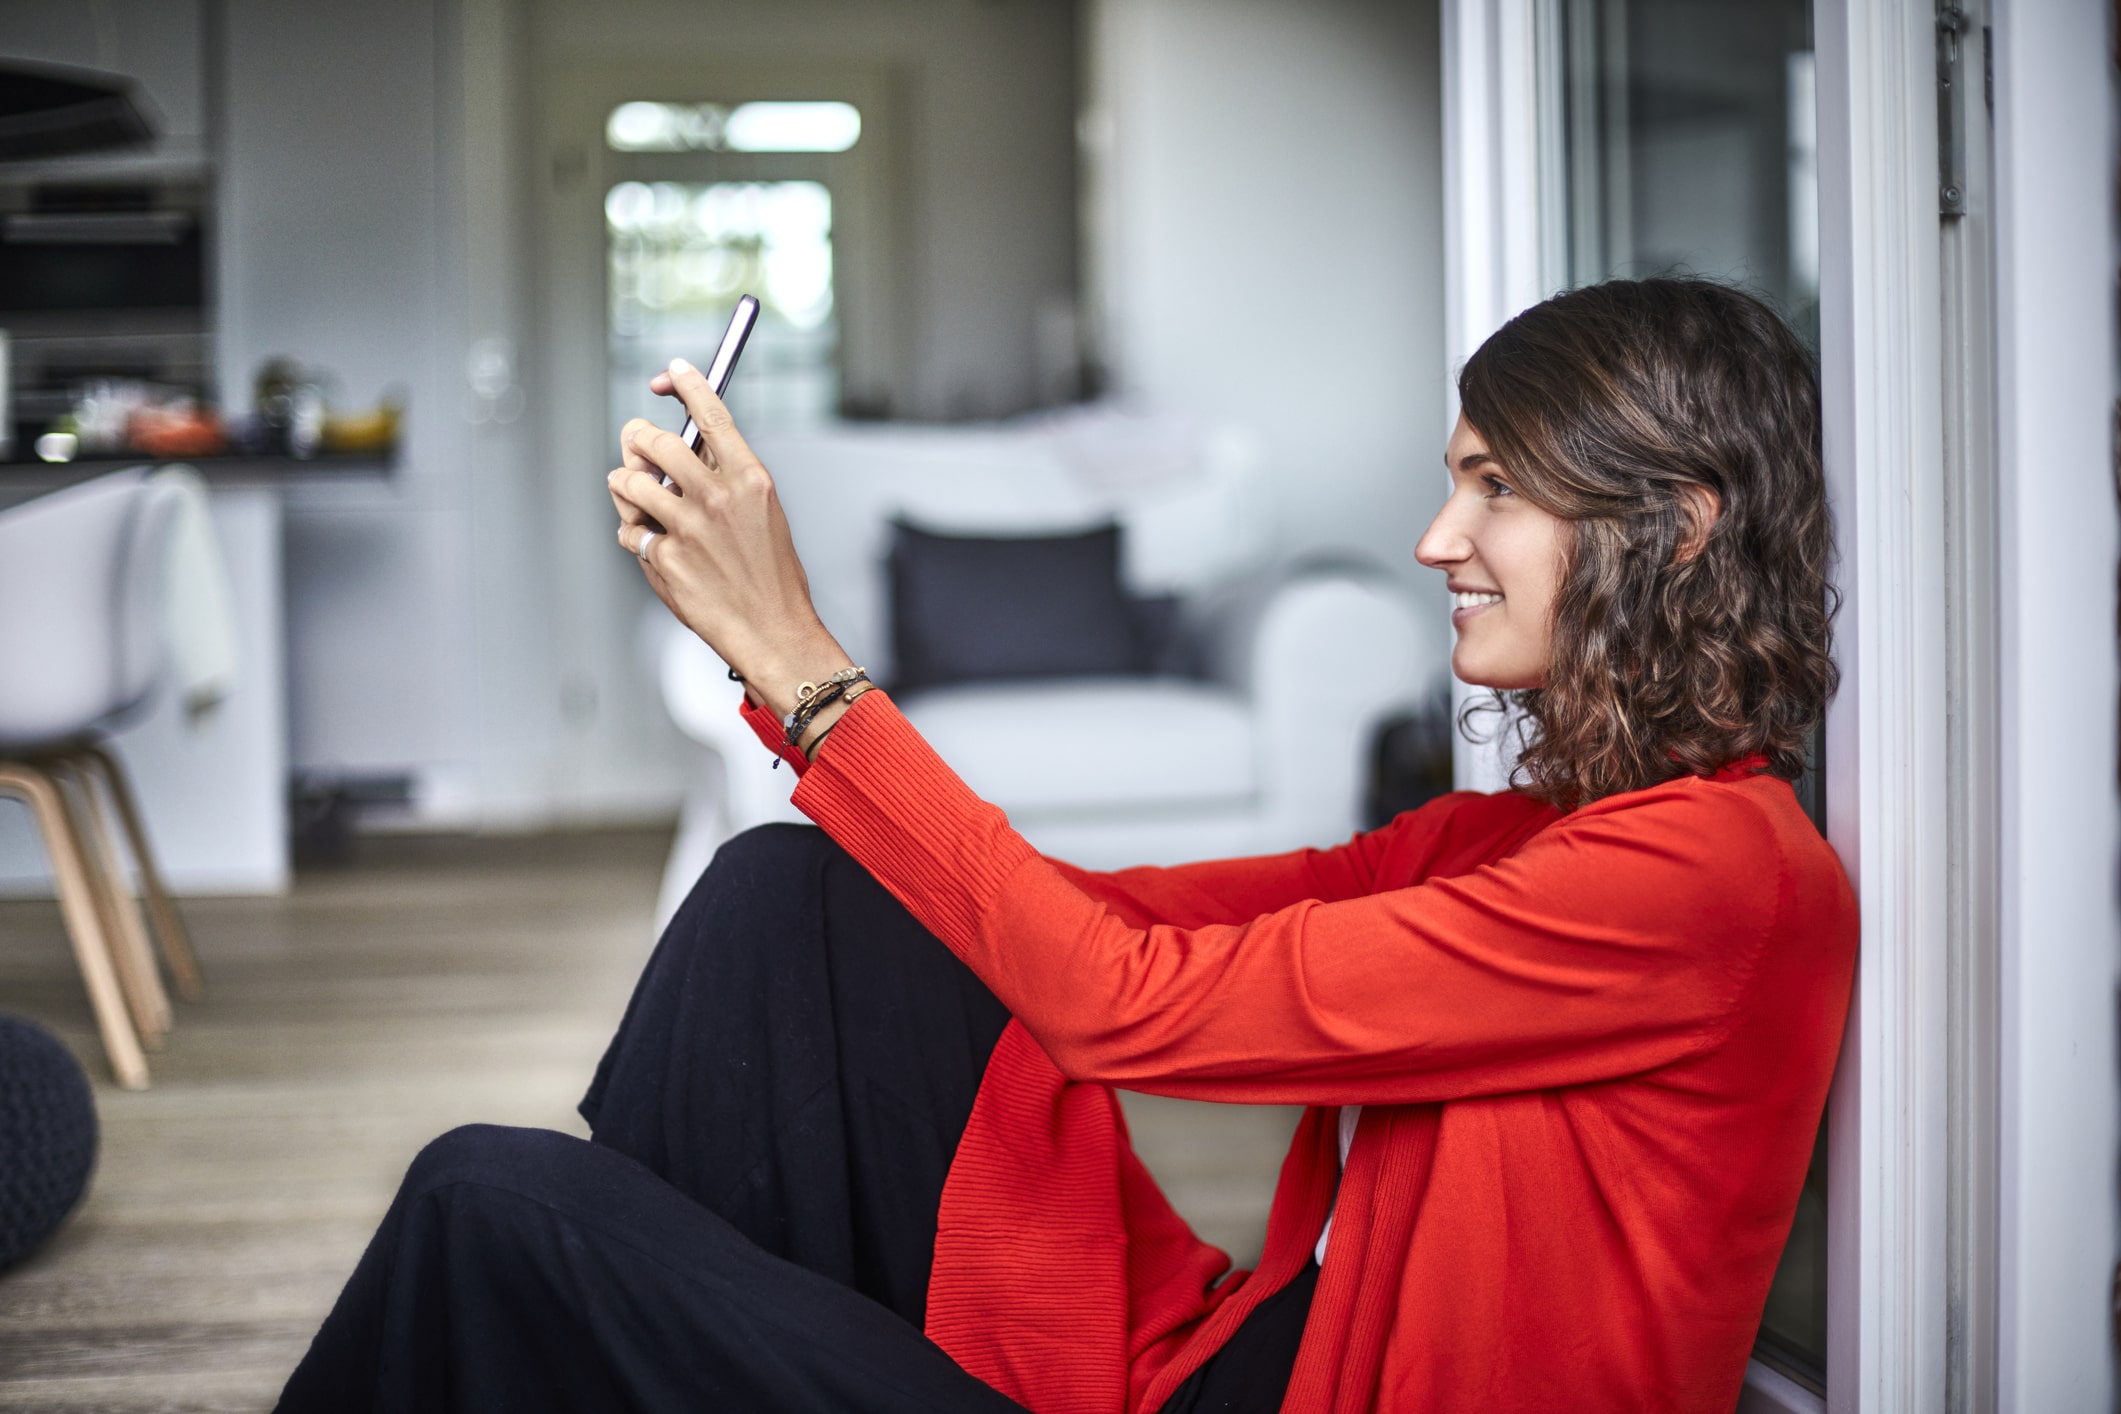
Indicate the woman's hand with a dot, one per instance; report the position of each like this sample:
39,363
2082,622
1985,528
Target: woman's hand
723,561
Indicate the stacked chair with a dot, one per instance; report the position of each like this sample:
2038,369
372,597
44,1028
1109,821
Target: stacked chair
84,598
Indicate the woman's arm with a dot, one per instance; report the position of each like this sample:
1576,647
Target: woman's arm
1614,942
1227,891
1193,895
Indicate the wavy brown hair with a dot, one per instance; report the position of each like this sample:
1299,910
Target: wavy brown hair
1673,654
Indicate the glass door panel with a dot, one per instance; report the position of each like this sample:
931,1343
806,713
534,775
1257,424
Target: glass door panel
1685,144
1689,142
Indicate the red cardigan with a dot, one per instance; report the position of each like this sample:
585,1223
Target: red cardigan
1592,1051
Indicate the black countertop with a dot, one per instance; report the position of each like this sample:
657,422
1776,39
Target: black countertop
20,480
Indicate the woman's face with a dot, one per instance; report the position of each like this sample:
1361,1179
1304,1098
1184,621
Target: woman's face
1504,559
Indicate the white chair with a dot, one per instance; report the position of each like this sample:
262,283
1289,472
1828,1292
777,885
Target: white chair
83,598
1264,753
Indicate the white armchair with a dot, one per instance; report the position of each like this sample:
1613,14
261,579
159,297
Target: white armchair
1264,752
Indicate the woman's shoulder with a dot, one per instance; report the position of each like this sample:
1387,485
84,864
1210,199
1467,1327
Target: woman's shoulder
1740,802
1723,833
1736,833
1733,801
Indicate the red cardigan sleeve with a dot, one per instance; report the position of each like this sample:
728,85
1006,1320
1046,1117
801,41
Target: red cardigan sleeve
1189,895
1613,942
1228,890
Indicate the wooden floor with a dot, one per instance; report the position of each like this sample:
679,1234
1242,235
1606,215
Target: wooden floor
432,983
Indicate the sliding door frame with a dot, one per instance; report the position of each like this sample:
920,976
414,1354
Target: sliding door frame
1888,786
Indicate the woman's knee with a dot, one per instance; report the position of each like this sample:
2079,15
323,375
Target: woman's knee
770,856
757,884
486,1155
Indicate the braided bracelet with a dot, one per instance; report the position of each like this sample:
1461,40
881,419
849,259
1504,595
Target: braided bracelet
798,721
813,698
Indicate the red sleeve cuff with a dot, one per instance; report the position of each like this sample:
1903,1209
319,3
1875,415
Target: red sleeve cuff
773,735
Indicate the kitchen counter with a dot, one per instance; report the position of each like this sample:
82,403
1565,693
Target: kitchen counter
20,480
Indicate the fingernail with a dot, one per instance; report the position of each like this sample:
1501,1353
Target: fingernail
678,365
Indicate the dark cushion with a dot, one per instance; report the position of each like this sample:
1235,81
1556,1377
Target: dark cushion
976,608
47,1136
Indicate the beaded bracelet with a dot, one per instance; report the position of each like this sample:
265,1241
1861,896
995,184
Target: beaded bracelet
813,698
798,721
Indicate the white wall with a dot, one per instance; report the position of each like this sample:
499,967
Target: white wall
2056,255
335,177
1266,244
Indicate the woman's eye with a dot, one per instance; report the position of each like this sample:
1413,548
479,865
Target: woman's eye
1496,487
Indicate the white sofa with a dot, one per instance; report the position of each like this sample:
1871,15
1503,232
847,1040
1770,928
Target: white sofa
1265,753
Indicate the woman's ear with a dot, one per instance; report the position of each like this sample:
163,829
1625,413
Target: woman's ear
1701,506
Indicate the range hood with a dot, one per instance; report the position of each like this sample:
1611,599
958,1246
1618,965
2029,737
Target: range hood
52,112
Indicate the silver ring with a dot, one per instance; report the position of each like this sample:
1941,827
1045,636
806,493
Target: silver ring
647,538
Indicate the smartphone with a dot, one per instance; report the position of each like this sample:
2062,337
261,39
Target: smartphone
723,366
720,369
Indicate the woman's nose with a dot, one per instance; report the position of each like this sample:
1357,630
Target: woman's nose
1445,542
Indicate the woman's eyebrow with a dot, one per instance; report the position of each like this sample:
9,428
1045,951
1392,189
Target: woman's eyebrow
1469,461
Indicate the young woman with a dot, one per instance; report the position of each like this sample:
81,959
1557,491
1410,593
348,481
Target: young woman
1565,1048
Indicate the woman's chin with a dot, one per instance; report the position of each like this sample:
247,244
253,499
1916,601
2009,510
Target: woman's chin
1469,669
1473,672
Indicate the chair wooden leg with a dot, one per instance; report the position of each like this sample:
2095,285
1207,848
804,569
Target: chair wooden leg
122,923
169,927
78,905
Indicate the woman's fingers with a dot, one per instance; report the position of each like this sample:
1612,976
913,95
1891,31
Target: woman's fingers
640,496
628,453
718,431
634,539
629,513
661,452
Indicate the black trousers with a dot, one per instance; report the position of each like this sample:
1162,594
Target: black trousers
752,1224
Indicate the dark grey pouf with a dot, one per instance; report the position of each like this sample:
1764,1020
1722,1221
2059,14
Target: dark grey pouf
47,1136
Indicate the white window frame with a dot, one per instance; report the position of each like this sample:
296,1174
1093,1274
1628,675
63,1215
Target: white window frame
1887,791
1492,224
2056,251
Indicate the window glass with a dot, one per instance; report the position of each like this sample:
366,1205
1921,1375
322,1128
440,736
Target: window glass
679,254
749,127
1688,145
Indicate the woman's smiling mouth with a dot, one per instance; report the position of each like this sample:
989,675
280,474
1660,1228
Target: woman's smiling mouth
1465,604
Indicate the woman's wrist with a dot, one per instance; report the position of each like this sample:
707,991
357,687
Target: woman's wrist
775,681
